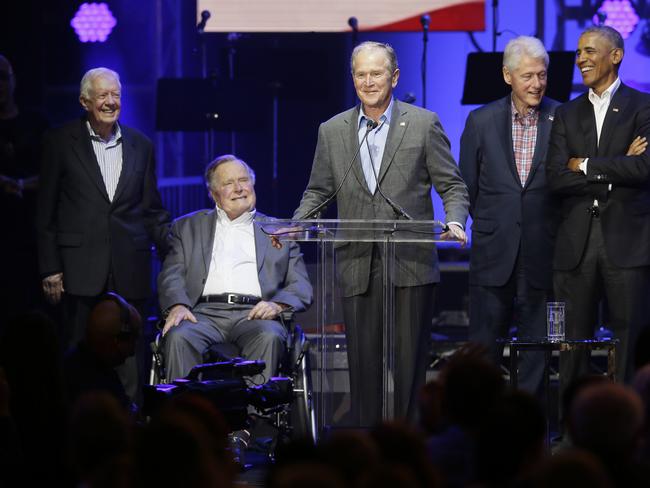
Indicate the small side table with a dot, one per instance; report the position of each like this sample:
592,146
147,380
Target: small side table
517,345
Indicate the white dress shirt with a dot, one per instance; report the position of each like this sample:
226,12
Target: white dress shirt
600,104
233,265
109,157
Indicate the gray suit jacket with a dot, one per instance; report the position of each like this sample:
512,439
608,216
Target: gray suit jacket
282,273
416,158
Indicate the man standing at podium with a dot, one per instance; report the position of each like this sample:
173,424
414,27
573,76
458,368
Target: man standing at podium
397,152
502,154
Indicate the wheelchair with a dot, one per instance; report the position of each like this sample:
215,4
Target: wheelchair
297,419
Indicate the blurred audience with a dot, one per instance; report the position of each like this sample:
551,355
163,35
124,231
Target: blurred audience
353,454
607,419
100,441
30,356
469,385
511,442
641,385
177,448
571,468
404,449
113,329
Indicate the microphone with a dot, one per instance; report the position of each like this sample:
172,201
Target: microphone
205,15
354,24
425,20
399,211
370,125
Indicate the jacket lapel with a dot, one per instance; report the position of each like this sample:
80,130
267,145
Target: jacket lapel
207,237
615,111
503,119
83,149
128,162
350,137
262,243
588,126
544,123
398,125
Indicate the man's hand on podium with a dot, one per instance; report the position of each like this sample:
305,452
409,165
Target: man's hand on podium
284,232
455,233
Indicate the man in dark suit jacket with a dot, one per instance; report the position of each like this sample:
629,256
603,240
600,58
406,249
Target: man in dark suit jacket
223,281
410,154
599,172
99,209
502,151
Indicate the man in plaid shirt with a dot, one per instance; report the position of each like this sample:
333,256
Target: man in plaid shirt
502,154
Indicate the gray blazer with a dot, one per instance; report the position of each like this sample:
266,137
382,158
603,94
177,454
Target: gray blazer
417,157
282,273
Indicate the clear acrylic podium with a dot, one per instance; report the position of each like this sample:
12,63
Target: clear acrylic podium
325,235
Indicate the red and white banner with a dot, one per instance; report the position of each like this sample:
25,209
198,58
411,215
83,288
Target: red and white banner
333,15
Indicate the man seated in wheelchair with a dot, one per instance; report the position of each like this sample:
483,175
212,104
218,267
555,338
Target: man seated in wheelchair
223,281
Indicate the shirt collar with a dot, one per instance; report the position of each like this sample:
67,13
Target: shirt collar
383,119
116,133
531,112
244,219
607,94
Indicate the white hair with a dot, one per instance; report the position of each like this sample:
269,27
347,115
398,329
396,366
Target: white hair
368,45
522,46
91,75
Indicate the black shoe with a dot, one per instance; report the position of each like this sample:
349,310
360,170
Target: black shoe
238,443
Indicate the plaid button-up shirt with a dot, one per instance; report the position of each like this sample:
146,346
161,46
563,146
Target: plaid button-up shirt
524,138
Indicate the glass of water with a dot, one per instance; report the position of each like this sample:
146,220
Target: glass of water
555,313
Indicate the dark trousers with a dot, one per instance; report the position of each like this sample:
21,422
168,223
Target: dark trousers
76,312
494,309
626,290
363,326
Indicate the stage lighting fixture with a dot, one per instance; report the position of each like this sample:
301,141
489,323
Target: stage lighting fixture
93,22
619,14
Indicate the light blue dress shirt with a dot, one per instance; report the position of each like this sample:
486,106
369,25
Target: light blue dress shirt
376,142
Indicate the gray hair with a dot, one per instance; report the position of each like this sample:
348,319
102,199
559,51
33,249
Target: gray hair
91,75
610,34
522,46
211,168
387,48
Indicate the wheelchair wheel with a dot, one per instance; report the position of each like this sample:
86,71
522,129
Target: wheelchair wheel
302,415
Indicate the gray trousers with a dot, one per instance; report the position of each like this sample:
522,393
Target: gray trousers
184,345
363,314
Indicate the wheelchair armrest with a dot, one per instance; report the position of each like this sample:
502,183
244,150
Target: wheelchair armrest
287,316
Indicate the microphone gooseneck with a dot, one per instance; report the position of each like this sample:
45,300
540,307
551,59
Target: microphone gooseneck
370,125
399,211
